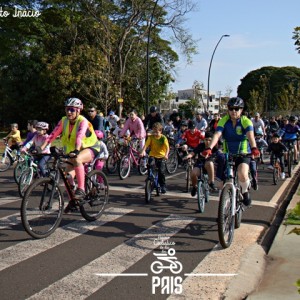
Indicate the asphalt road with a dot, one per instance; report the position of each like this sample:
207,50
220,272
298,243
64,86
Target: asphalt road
117,256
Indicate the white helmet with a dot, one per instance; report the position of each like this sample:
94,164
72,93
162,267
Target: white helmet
42,125
74,102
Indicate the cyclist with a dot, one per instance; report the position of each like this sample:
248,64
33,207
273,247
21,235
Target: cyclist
136,127
277,149
112,120
31,131
37,141
290,132
159,151
153,117
79,141
238,135
96,120
260,142
208,166
200,122
258,124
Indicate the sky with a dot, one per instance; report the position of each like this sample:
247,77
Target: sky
260,35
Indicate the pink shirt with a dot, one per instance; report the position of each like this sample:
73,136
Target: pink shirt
38,141
136,128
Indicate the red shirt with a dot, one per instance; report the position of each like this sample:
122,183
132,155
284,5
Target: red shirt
193,139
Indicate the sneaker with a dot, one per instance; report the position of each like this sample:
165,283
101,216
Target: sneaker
254,184
246,199
163,189
71,207
212,186
295,162
270,167
193,191
282,175
79,194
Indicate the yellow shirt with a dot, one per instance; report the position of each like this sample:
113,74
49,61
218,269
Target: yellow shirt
159,147
15,137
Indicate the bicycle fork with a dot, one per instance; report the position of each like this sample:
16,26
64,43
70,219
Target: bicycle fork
233,197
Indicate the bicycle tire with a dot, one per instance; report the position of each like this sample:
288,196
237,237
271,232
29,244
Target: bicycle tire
38,217
25,181
124,166
148,190
142,168
275,175
5,162
206,188
172,162
290,162
201,196
226,221
97,195
111,164
188,178
19,169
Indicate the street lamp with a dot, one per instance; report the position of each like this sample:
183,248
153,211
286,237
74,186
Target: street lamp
147,59
208,97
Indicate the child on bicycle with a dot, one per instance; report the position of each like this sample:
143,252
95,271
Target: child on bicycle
277,149
31,131
208,165
15,137
159,151
37,141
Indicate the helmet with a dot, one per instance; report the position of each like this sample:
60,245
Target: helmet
75,102
183,123
292,118
99,134
42,125
191,125
153,109
259,132
236,101
111,113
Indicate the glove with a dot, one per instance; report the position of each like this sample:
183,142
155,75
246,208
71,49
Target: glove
207,152
74,153
255,152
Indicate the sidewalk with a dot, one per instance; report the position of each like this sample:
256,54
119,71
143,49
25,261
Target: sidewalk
282,265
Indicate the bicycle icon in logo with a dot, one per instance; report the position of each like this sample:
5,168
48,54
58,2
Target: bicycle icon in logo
174,265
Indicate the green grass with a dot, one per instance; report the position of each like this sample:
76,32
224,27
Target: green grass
293,216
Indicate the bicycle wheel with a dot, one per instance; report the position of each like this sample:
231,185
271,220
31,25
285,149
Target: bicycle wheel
172,162
206,188
97,191
225,217
143,165
201,196
239,211
188,178
275,174
148,189
19,169
124,166
25,181
42,208
290,162
5,162
111,164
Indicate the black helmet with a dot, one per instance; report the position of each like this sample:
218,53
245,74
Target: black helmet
153,109
191,125
292,118
184,123
236,102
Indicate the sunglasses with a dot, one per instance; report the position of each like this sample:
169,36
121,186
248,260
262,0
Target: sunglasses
234,108
71,109
91,110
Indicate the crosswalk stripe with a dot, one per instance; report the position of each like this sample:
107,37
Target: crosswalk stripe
118,259
6,200
19,252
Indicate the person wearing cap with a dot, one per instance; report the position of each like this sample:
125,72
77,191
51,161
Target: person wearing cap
192,137
112,120
290,133
238,138
277,149
180,132
258,124
153,117
200,122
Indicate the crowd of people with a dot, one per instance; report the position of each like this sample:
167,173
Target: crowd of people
82,139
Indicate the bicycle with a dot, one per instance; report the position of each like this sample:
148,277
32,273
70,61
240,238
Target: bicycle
276,169
230,203
114,158
189,167
43,202
21,166
132,157
151,184
290,155
202,188
8,157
